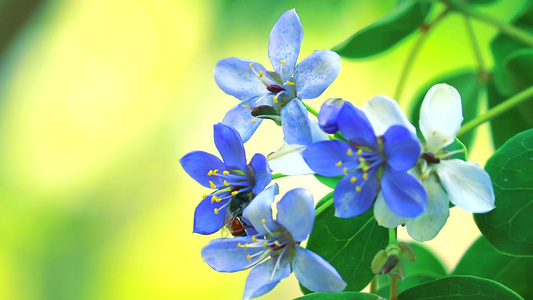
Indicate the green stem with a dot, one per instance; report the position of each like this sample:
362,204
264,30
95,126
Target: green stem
278,175
311,110
475,45
393,288
374,286
326,204
392,236
497,110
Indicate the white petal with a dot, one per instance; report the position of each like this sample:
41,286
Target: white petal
288,160
441,115
427,225
383,112
385,216
467,184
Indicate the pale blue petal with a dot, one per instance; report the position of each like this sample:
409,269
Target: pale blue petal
350,201
355,127
241,119
260,209
262,279
296,213
324,157
262,173
288,160
315,73
284,45
235,77
206,221
229,144
224,255
403,193
383,112
315,273
295,121
385,216
317,134
198,164
401,147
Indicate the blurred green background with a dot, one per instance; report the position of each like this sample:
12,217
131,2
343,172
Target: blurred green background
100,99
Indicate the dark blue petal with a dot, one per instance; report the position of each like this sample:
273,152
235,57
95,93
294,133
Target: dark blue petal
324,157
198,163
315,273
404,195
327,116
206,221
224,255
262,173
229,144
295,121
241,119
260,209
401,147
351,201
314,74
284,45
354,126
260,280
296,213
235,77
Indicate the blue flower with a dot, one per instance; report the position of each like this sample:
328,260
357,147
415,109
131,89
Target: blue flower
231,178
275,252
368,162
258,88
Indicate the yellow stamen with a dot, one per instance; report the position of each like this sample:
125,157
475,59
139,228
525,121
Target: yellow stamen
251,67
253,121
360,151
263,221
445,140
353,179
365,176
275,99
226,183
204,196
260,73
225,172
339,164
265,244
215,172
283,62
349,152
213,186
290,83
365,168
245,246
254,239
277,243
358,188
216,211
234,193
213,199
243,268
361,160
239,245
249,258
210,173
345,171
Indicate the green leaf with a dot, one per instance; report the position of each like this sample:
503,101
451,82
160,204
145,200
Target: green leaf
426,267
14,15
481,1
515,73
339,296
349,245
324,199
460,288
329,181
511,271
387,32
508,226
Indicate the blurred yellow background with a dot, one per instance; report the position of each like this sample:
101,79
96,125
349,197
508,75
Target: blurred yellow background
100,99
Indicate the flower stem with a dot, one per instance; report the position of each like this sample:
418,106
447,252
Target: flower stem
497,110
278,175
325,205
374,286
311,110
393,279
475,45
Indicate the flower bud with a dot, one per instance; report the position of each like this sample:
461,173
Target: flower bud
327,117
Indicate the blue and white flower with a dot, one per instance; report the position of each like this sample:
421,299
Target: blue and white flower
228,178
465,184
275,252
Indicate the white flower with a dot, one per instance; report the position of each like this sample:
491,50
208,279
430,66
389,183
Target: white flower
466,184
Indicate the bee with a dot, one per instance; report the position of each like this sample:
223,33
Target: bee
234,221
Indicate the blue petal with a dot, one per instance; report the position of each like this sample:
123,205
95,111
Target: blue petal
324,157
350,201
260,280
262,173
295,121
241,119
354,126
206,221
198,163
327,116
296,213
229,144
235,77
401,147
315,73
260,209
284,45
404,195
224,255
315,273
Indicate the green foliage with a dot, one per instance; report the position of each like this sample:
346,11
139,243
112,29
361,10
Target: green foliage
324,199
339,296
426,267
481,1
459,288
508,226
348,244
515,74
329,181
511,271
387,32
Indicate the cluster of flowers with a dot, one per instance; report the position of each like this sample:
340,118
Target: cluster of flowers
375,148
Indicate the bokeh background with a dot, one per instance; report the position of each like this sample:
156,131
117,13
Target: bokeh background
99,100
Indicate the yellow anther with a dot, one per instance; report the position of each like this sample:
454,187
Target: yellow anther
204,196
349,152
358,188
445,140
239,245
226,183
361,160
290,83
277,243
251,67
265,244
283,62
253,121
216,211
365,176
215,172
234,193
254,239
213,186
263,221
225,172
260,73
218,199
275,99
360,151
213,199
245,246
339,164
210,173
353,179
243,268
345,171
249,258
365,169
435,132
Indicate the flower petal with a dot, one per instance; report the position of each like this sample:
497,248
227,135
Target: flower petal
224,255
295,121
441,115
316,72
428,224
260,209
327,116
235,77
262,279
404,195
198,163
385,216
206,219
288,160
284,45
352,198
315,273
241,119
229,144
401,147
467,184
354,126
262,173
383,112
324,157
296,213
